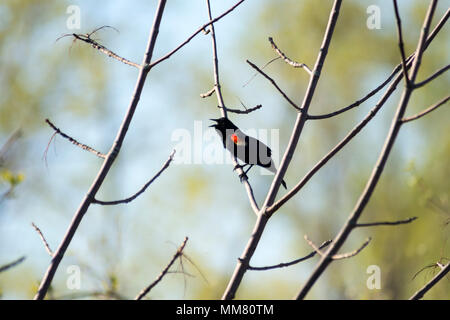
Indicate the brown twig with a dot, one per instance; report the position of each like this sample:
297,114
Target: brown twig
243,263
11,264
292,103
87,38
338,256
208,94
400,42
420,293
73,141
142,190
44,241
427,110
202,28
287,264
109,159
178,254
432,77
287,60
386,223
220,100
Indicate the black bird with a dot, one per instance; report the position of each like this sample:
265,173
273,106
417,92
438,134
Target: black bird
247,149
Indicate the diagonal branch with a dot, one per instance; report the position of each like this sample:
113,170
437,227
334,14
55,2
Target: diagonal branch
75,142
292,103
337,256
432,77
202,28
109,159
11,264
142,190
246,111
44,241
218,91
287,264
87,38
386,223
263,217
427,110
178,254
287,60
419,294
380,164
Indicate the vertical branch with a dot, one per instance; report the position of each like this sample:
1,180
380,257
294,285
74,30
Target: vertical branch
223,109
243,262
109,160
379,166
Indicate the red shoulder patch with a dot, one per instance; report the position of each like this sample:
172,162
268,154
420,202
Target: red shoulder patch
234,138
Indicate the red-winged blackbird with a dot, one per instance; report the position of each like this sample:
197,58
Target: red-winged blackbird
247,149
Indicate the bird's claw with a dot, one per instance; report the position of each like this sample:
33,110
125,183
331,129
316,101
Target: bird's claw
238,166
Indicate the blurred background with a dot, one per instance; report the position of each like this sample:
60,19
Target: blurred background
121,249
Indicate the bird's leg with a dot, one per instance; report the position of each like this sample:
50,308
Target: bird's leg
251,166
243,175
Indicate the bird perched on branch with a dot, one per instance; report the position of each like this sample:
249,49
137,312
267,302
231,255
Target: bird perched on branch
247,149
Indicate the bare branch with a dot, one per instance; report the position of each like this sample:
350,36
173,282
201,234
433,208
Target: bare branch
386,223
419,294
292,103
243,262
142,190
426,111
287,60
221,102
87,38
432,77
202,28
246,111
208,94
109,159
75,142
178,254
11,264
353,253
287,264
44,241
400,42
380,164
360,101
361,125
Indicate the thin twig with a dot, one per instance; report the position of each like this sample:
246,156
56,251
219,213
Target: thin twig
179,253
44,241
287,264
363,122
75,142
400,42
386,223
221,102
360,101
202,28
427,110
292,103
420,293
246,111
11,264
432,77
137,194
109,159
287,60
